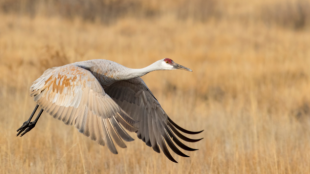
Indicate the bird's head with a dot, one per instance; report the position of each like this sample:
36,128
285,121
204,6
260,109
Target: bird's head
169,64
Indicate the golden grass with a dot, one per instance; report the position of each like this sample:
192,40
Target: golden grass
249,91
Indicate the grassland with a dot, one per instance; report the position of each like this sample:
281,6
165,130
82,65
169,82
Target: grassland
249,90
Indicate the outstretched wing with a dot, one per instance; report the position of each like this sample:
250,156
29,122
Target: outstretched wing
155,127
73,95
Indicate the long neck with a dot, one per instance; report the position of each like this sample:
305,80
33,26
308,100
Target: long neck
133,73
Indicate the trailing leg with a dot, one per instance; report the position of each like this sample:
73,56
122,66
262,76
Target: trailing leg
27,126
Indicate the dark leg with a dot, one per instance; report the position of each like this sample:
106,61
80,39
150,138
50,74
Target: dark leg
28,121
27,126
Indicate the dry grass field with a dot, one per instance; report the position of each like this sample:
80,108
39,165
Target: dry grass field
249,90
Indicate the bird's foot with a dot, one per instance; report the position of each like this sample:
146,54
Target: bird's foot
26,127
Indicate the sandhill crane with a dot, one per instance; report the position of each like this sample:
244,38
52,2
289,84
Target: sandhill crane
101,98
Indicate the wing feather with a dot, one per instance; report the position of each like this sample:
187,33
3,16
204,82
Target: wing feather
155,128
91,127
69,115
182,129
101,137
177,141
59,113
151,133
120,130
74,95
108,138
161,142
182,136
115,135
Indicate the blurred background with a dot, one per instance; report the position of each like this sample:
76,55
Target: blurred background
249,89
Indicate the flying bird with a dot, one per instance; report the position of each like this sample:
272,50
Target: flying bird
102,98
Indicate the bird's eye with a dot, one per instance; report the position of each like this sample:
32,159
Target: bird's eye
167,60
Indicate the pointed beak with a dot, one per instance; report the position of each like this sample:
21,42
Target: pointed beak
177,66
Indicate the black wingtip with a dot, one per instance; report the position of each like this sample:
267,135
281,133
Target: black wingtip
156,148
168,155
178,142
182,129
148,143
175,161
182,136
173,147
199,139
